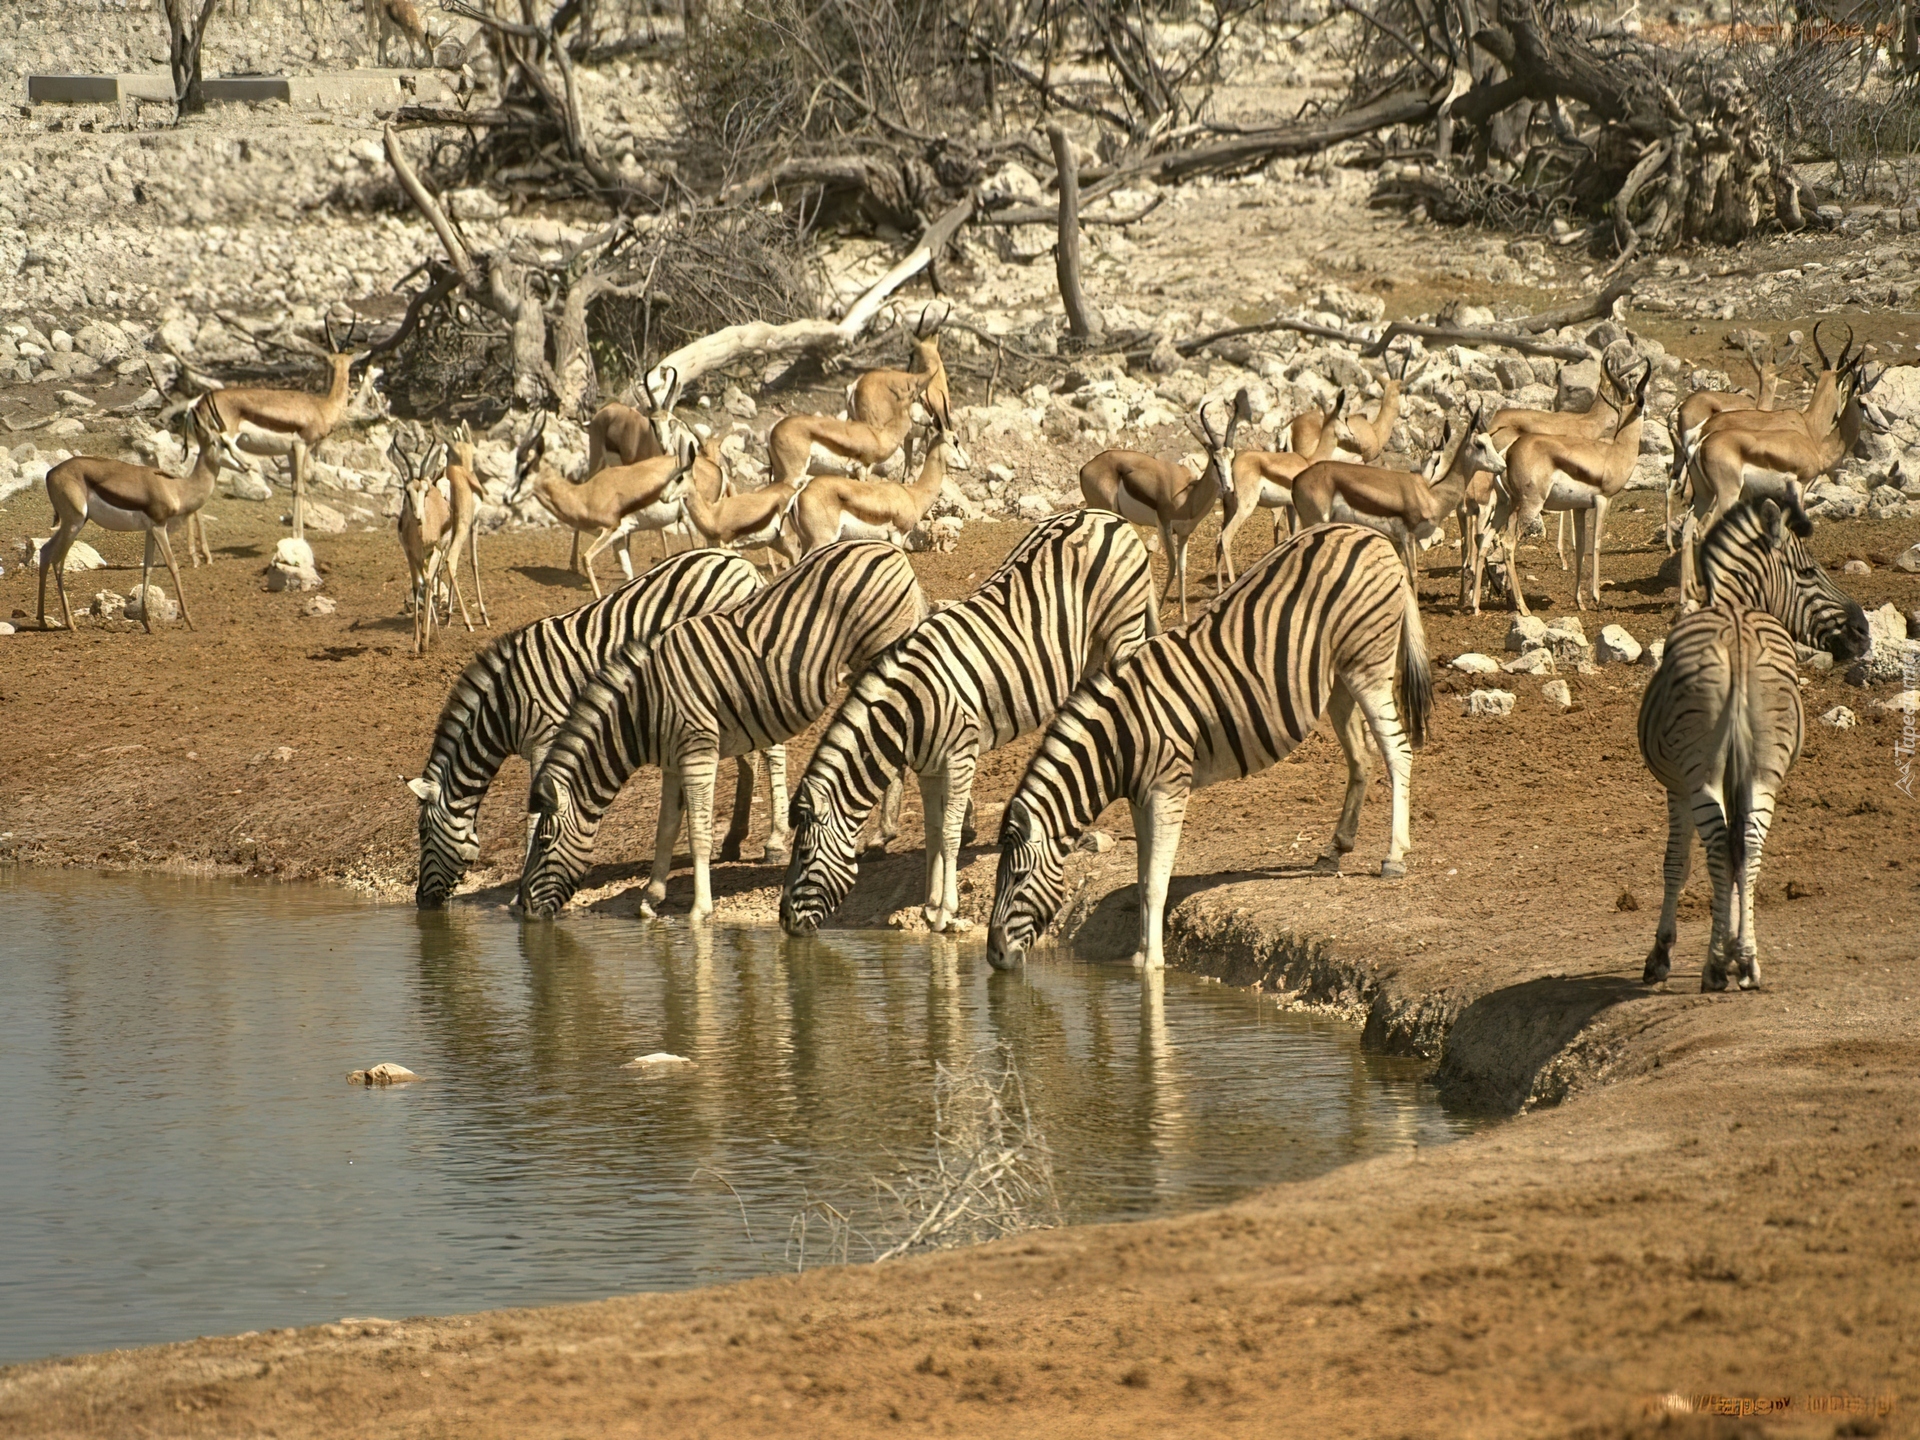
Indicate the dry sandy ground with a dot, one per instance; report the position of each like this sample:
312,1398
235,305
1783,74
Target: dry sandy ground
1722,1203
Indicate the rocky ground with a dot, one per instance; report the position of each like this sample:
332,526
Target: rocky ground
1704,1195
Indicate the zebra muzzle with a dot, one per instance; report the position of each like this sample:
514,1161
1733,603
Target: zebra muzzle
1002,953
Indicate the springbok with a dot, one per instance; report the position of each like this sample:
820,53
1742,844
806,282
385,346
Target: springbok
612,504
1771,464
1369,438
1556,472
621,435
1410,510
118,496
739,522
1263,479
287,423
424,524
834,507
1147,490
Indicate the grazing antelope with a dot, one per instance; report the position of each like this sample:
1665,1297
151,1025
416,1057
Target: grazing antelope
1410,510
1367,438
612,504
1557,472
833,507
757,519
288,423
1164,494
117,496
879,414
1318,627
1776,464
424,524
1263,479
1720,723
621,435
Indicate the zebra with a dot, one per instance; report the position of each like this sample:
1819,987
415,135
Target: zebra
1314,628
1074,595
1720,723
719,684
513,699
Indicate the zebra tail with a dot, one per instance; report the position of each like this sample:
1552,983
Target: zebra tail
1416,678
1736,781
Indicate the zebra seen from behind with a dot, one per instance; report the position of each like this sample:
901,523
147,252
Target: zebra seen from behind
514,696
721,684
1075,595
1721,720
1314,628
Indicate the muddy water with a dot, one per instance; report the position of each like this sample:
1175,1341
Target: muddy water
181,1154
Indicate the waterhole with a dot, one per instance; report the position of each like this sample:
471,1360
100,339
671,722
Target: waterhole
181,1153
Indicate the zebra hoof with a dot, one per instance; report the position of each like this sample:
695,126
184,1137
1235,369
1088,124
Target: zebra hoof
729,852
775,855
1711,980
1328,863
1393,869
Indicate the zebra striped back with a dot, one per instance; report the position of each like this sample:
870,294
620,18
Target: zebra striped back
1757,556
1222,697
1073,596
741,680
514,696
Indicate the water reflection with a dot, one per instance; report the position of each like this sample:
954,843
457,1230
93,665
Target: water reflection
185,1157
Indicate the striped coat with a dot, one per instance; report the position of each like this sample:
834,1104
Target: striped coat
1314,628
514,697
1075,595
1721,720
720,684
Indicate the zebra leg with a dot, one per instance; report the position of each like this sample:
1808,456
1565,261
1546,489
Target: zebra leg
1156,830
890,803
746,779
665,833
1349,725
779,846
954,790
1679,862
935,790
699,762
967,833
1383,719
1746,943
1716,840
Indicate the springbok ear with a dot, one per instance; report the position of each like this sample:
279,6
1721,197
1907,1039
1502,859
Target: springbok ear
425,791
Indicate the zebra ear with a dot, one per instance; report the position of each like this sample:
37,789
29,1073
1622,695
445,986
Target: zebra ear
425,791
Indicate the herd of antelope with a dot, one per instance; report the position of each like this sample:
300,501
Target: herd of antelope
647,471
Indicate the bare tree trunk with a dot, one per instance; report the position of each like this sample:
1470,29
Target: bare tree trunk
185,32
1083,322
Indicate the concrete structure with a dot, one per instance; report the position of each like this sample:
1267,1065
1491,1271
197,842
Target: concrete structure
351,89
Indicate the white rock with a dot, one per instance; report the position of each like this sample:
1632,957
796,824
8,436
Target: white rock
292,578
1840,718
322,518
1531,662
1557,694
1651,656
1473,663
318,606
293,553
156,599
1886,657
108,606
1617,646
659,1060
1527,632
80,556
246,485
1907,702
1488,702
1035,507
6,627
385,1073
739,404
1005,475
1908,560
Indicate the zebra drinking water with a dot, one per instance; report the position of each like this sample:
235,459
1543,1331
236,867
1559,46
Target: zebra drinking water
1075,595
1721,720
514,696
720,684
1314,628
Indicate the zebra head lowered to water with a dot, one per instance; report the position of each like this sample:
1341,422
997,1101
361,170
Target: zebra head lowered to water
513,698
722,684
1314,628
1720,723
1075,595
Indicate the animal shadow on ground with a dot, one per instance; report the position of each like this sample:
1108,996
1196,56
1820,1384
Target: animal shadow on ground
1502,1042
554,575
240,552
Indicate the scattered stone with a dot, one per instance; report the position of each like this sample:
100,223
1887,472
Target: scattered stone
1652,655
1840,718
291,568
73,399
1165,359
1473,663
1532,662
318,606
1488,702
66,427
1908,560
1527,632
1856,567
322,519
1907,702
1558,694
1628,902
1886,657
156,600
1617,646
1577,384
108,606
385,1073
739,404
246,485
1095,842
659,1060
1035,507
1818,661
6,627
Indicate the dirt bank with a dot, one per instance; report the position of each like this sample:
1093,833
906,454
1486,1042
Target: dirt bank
1734,1213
